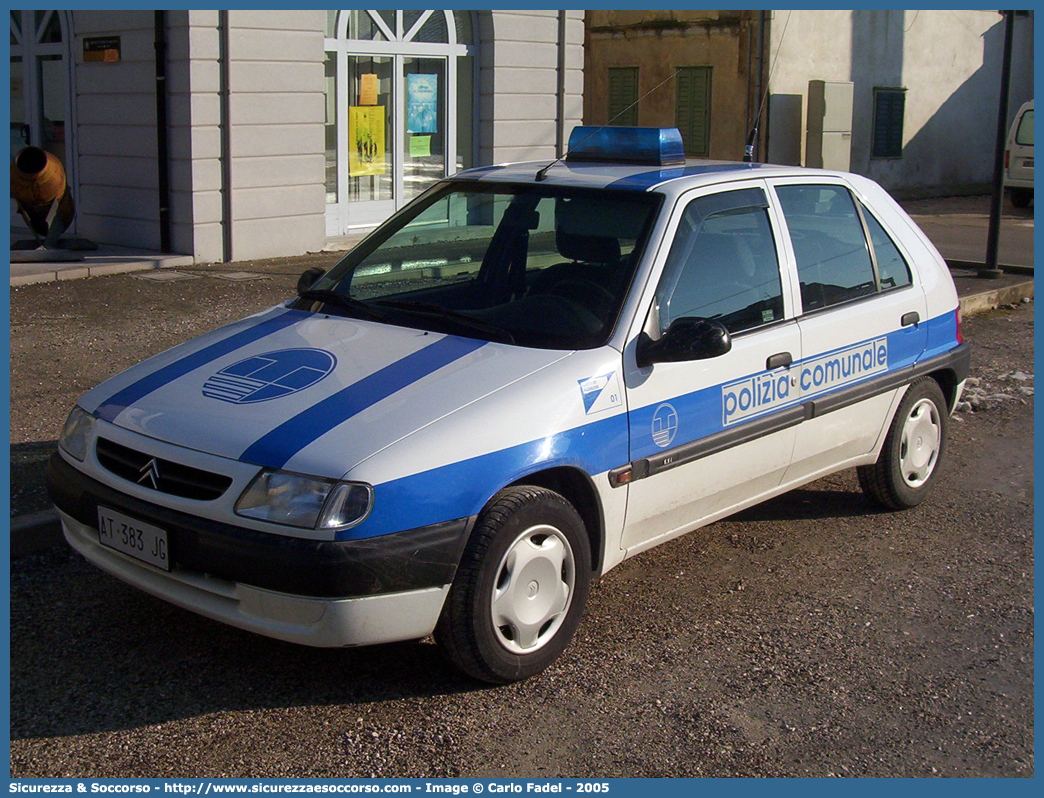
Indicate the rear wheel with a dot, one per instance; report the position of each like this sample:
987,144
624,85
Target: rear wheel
903,475
520,589
1021,197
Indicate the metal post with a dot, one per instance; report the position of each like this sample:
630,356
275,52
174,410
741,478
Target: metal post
993,236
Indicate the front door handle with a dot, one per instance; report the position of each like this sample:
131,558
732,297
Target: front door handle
779,360
910,318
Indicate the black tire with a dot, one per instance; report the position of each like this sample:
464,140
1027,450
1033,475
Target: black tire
1021,197
903,476
532,523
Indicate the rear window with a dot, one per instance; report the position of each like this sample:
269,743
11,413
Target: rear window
891,266
1024,135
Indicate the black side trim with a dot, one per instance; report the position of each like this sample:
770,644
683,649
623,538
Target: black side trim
957,360
410,560
720,441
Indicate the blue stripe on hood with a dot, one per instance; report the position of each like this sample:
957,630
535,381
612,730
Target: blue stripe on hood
125,397
278,446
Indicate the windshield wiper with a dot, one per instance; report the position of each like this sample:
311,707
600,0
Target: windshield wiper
431,310
345,302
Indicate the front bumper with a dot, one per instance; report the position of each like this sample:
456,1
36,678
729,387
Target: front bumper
320,593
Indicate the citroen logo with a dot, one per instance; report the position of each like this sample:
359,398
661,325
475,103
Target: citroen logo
149,474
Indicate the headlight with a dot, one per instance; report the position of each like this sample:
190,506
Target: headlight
76,433
302,501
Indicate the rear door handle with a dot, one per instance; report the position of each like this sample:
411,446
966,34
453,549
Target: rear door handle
910,318
779,360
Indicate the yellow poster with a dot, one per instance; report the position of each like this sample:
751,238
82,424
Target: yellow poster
368,89
366,140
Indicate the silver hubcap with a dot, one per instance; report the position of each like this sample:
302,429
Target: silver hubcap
919,445
533,589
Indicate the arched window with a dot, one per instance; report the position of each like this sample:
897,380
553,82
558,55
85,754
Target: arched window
400,108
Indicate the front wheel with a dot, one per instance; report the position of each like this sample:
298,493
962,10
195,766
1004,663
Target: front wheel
909,461
520,589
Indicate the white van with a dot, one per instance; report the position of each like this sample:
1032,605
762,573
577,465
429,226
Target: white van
1018,158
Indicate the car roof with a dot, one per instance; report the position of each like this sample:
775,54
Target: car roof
587,174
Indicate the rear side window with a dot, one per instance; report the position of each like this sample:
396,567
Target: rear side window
890,263
1024,135
722,264
833,260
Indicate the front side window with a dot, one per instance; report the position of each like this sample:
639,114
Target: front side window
531,265
833,260
723,264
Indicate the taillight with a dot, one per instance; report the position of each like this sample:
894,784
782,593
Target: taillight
960,338
1007,156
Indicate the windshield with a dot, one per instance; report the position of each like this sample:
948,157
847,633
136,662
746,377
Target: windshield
531,265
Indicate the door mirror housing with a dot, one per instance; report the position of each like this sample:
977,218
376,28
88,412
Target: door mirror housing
308,278
686,339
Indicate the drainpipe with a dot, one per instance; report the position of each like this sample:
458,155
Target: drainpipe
226,138
560,134
162,140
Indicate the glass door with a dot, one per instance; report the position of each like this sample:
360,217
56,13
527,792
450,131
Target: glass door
369,146
423,124
397,116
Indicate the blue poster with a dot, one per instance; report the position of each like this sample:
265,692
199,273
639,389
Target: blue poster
422,103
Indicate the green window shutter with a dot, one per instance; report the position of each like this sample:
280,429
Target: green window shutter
692,108
889,109
623,92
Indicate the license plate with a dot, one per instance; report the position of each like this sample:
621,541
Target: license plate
134,538
1027,162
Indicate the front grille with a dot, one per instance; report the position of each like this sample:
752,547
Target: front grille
165,476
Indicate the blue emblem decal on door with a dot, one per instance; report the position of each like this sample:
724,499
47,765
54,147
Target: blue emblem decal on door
269,376
664,425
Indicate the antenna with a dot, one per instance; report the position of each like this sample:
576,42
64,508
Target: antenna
542,174
752,138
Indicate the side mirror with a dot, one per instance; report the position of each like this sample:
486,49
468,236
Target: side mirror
686,339
308,278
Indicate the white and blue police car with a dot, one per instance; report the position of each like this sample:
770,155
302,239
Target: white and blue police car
525,376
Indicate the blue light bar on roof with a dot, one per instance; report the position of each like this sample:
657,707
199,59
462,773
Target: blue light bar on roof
655,146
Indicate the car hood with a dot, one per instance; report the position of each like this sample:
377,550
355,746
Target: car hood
307,392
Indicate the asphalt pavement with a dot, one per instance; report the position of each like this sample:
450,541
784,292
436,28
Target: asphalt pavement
813,635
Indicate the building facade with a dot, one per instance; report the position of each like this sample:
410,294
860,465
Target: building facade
284,129
908,98
698,71
924,86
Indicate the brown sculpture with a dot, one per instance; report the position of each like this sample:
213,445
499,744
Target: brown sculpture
45,202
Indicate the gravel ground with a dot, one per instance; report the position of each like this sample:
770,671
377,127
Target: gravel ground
811,635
